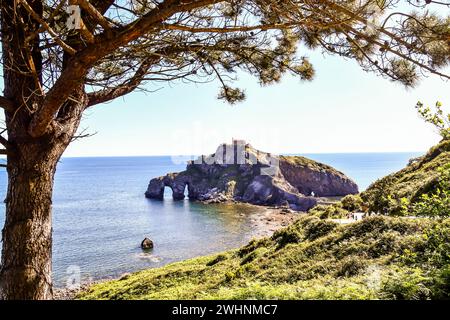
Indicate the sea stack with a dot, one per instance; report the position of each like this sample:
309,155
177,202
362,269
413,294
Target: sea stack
239,172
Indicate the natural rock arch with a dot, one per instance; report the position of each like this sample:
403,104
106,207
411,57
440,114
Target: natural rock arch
176,183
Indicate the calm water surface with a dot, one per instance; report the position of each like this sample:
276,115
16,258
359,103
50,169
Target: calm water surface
100,213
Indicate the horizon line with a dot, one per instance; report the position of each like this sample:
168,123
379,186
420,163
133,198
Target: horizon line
197,155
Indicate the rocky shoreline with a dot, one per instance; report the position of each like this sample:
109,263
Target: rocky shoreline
270,220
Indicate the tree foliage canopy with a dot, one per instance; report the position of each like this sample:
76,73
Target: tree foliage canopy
124,43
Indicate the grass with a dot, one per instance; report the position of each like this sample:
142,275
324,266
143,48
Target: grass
418,178
377,258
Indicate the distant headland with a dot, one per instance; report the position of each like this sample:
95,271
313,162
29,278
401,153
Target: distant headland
239,172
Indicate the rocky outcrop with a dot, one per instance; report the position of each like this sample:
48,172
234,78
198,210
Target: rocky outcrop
147,244
309,176
239,172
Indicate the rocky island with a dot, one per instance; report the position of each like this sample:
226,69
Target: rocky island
239,172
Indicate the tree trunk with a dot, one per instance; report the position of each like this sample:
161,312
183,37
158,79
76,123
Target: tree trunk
27,234
25,270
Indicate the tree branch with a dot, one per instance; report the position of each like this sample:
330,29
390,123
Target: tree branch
6,104
44,24
124,88
105,43
234,29
97,16
4,142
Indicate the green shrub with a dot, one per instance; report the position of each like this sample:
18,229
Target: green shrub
436,203
441,286
253,255
398,207
406,284
437,117
387,243
351,266
319,228
286,236
352,203
229,276
437,245
334,211
217,259
397,193
253,245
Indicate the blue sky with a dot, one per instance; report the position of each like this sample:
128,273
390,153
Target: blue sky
343,110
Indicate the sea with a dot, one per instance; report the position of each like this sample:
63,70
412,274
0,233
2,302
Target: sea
100,214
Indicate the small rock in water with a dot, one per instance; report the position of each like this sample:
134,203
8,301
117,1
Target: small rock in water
147,244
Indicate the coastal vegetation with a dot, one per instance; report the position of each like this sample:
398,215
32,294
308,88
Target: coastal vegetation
308,163
377,258
422,188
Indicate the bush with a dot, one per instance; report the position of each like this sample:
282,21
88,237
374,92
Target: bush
217,259
319,228
398,207
253,245
334,211
437,117
351,266
436,203
409,284
437,249
253,255
387,243
397,193
441,286
352,203
286,236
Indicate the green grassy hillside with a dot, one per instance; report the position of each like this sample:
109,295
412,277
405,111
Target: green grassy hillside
420,177
377,258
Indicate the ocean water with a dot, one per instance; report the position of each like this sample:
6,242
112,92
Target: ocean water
100,214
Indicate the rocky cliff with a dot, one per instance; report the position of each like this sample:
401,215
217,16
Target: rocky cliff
239,172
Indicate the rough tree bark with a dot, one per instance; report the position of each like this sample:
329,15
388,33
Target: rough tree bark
27,234
26,258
